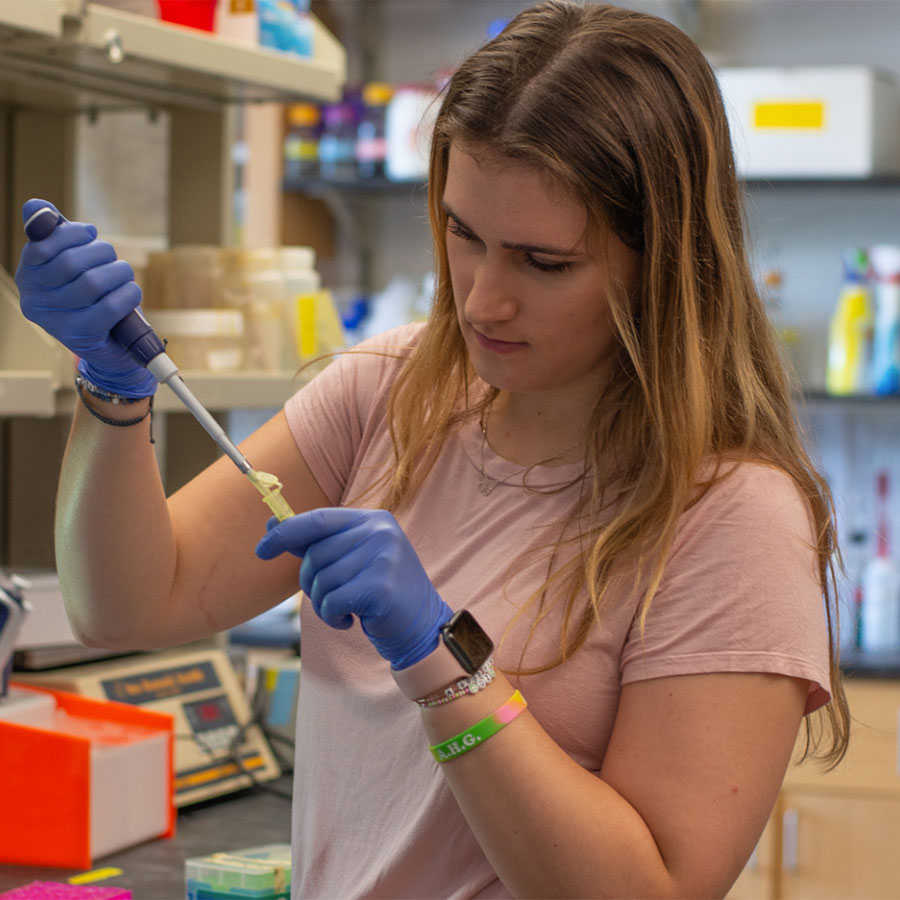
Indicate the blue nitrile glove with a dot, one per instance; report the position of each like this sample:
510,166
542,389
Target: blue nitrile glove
74,287
359,562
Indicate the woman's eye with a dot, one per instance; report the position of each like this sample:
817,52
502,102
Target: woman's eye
547,267
457,230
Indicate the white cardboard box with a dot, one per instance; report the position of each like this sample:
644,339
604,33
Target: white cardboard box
812,122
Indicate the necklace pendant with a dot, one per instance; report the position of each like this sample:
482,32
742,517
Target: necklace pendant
487,484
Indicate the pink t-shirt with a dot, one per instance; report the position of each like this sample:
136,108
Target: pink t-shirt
373,815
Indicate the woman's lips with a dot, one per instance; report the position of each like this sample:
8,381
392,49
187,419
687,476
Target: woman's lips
494,346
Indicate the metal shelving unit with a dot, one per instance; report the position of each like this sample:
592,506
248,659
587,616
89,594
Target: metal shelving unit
64,58
70,55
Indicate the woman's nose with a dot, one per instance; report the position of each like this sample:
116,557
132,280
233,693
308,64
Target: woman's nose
490,297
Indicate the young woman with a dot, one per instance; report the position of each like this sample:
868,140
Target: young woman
586,457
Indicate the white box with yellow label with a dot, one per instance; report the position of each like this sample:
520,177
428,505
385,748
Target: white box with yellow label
812,122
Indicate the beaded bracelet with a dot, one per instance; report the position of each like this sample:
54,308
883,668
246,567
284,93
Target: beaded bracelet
80,387
479,732
471,685
100,394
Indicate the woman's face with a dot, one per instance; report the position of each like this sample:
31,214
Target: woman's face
530,299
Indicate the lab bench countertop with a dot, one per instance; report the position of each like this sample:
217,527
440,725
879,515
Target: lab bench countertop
155,870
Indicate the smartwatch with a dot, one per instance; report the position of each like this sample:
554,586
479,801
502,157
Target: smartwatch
462,650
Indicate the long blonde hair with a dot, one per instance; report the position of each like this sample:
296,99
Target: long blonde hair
622,109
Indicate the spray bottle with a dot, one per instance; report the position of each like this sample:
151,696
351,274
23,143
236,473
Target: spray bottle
885,259
850,331
880,614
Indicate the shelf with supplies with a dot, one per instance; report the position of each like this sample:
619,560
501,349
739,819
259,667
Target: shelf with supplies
819,397
39,393
67,55
316,187
36,373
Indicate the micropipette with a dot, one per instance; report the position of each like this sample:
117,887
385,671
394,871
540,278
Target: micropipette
135,334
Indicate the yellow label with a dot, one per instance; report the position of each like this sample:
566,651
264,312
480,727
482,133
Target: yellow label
242,6
789,114
307,338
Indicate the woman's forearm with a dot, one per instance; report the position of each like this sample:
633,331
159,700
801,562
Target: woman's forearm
115,547
549,827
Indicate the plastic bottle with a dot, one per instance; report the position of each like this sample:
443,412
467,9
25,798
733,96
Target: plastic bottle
851,598
880,613
850,330
301,142
236,20
254,284
371,134
885,376
337,142
301,281
408,127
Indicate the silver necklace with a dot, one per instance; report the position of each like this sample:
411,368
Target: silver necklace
487,483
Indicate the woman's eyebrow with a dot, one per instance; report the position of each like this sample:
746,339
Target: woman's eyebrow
543,250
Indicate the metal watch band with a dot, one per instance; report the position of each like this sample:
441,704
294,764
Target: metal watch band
431,674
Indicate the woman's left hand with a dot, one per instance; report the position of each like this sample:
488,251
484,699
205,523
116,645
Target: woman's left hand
360,562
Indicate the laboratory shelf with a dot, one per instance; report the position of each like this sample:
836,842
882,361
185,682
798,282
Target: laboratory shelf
67,55
235,390
40,394
24,393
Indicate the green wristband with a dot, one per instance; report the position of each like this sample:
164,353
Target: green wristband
481,731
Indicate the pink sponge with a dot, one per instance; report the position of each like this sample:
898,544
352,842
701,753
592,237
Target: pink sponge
55,890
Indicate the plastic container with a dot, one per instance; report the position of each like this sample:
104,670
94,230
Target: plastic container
236,20
301,142
371,134
261,873
285,25
92,777
850,330
337,142
210,340
409,122
253,282
195,276
194,13
880,612
885,377
298,266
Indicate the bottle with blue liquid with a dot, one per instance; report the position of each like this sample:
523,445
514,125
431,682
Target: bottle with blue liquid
885,376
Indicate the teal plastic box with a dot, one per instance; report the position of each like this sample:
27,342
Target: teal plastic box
260,873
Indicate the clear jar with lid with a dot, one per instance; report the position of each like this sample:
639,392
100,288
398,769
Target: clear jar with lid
195,276
206,339
156,284
301,142
254,283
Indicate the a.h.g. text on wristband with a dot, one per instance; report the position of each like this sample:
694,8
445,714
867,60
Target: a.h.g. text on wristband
480,731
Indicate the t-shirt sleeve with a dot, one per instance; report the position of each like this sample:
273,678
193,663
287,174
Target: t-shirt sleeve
740,592
333,417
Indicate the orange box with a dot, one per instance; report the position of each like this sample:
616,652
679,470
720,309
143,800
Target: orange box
72,787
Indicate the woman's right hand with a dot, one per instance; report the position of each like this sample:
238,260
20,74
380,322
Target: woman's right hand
74,287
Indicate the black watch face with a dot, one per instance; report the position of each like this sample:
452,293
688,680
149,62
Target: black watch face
467,641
